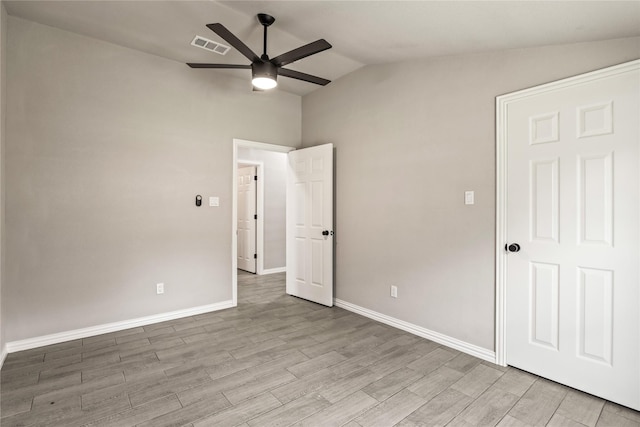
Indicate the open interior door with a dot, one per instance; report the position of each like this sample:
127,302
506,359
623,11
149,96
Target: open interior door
310,224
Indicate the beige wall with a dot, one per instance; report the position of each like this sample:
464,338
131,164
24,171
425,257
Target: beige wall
410,138
106,149
3,73
275,198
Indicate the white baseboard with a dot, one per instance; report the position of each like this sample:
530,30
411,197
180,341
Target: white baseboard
274,270
3,355
35,342
465,347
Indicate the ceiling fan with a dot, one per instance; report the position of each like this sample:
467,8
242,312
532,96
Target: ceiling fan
265,71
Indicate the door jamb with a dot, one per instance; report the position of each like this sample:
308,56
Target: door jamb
501,229
502,102
242,143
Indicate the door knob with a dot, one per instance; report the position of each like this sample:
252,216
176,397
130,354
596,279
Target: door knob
327,232
514,247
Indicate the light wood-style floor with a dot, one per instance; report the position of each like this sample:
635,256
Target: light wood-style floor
276,360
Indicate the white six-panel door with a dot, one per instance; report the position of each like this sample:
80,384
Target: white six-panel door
309,215
246,219
573,206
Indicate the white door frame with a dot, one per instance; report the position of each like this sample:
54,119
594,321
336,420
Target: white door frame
502,103
259,210
242,143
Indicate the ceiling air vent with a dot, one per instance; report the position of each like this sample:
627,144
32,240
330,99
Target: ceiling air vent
210,45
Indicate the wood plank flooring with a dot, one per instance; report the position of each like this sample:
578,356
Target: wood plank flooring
276,360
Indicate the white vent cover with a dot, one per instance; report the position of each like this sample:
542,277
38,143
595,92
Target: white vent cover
211,46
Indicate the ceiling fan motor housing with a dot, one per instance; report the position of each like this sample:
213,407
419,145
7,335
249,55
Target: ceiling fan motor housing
264,69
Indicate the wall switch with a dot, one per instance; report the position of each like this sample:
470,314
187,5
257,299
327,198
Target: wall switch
469,198
394,291
214,201
159,288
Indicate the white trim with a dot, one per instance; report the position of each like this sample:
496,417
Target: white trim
237,143
465,347
259,165
274,270
502,103
501,232
262,146
35,342
3,355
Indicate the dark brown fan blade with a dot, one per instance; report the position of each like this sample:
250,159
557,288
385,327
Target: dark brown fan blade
302,76
242,67
222,31
301,52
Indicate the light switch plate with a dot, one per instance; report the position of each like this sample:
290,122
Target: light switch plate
469,198
214,201
394,291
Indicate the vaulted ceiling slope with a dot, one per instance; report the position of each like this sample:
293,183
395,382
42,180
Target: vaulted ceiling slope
361,32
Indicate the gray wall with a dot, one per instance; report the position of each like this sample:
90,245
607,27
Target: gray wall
3,104
410,138
275,208
106,149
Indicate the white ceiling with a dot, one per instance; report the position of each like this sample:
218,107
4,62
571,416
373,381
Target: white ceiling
361,32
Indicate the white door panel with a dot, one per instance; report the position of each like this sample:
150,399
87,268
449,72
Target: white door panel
246,219
309,214
573,205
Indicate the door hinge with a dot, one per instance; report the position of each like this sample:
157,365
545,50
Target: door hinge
255,217
255,256
255,177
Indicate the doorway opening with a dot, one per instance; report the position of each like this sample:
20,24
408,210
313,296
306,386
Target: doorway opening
260,155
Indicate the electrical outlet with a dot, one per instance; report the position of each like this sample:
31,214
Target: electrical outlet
159,288
394,291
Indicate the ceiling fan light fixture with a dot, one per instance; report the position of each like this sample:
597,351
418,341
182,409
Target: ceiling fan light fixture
264,74
264,83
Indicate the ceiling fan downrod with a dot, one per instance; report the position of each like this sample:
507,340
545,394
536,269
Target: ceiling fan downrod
265,20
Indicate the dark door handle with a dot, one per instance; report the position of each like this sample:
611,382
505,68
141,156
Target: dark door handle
327,232
514,247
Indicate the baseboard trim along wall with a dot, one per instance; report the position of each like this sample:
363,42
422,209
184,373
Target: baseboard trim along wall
465,347
3,355
274,270
35,342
